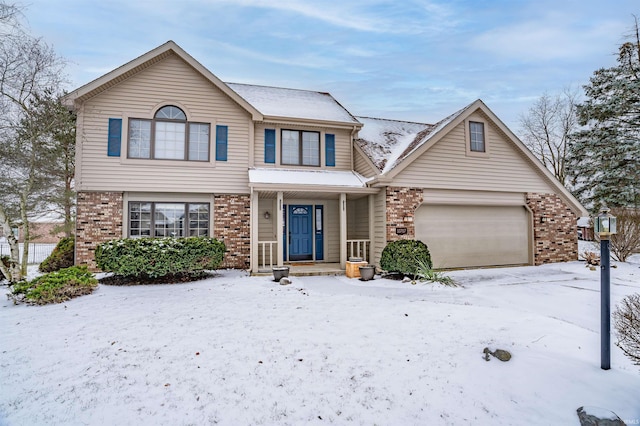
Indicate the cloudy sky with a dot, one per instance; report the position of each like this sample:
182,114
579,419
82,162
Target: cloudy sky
416,60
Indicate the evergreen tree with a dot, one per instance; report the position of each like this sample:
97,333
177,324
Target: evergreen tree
604,159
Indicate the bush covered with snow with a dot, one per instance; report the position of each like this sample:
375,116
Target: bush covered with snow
160,257
60,257
55,287
405,256
626,319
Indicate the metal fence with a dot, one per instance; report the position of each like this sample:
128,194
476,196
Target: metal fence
37,251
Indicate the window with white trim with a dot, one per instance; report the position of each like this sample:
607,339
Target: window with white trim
169,136
300,148
151,219
476,136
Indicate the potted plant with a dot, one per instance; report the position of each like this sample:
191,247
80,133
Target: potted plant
280,272
367,272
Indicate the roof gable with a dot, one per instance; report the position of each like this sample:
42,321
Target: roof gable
404,147
389,142
145,61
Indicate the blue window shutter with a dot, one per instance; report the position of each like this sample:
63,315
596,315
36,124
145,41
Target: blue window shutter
270,146
115,137
330,147
221,143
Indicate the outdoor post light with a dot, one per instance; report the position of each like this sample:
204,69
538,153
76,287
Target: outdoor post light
604,226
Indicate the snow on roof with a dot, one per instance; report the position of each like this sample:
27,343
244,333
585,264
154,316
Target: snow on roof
584,221
384,140
293,103
307,177
388,142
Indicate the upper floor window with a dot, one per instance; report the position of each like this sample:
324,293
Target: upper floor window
169,136
476,136
300,148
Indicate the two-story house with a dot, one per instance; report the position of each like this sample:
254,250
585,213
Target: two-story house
165,148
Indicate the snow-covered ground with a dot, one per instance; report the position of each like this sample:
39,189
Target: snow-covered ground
238,350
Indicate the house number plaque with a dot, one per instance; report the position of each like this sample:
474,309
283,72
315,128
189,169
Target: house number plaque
401,231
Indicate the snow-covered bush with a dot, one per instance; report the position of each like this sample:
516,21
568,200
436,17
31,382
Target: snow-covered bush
55,287
60,257
626,319
402,257
160,257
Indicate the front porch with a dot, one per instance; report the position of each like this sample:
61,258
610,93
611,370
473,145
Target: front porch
312,228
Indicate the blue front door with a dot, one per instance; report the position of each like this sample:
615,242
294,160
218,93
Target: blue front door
300,232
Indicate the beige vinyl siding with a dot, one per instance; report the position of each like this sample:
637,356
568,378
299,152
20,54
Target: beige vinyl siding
267,229
343,146
358,219
485,198
363,166
446,165
331,231
380,220
168,82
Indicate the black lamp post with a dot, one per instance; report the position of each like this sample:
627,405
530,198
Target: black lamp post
605,225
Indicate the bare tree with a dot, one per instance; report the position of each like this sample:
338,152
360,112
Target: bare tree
627,239
28,67
626,319
546,128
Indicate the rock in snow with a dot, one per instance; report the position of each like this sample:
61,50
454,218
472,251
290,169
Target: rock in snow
593,416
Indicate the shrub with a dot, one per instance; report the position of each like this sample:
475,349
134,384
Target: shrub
426,273
160,257
402,256
55,287
627,240
592,258
60,257
626,319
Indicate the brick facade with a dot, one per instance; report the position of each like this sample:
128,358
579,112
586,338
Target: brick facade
401,207
99,219
232,224
555,231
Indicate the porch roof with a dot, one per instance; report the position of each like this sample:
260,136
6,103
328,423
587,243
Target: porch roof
308,180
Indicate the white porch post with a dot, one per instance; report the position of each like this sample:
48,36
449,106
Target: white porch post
343,230
279,228
253,258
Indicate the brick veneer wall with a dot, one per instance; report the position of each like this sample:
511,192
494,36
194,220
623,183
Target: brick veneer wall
99,219
232,224
555,238
401,207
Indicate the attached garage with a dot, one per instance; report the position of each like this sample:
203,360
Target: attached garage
475,235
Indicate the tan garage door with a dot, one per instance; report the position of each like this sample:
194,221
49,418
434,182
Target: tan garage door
467,236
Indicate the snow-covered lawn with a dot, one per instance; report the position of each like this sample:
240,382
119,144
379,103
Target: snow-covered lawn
238,350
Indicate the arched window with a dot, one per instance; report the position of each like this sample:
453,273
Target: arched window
171,112
169,136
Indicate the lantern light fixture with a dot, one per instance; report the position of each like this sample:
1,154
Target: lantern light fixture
604,224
